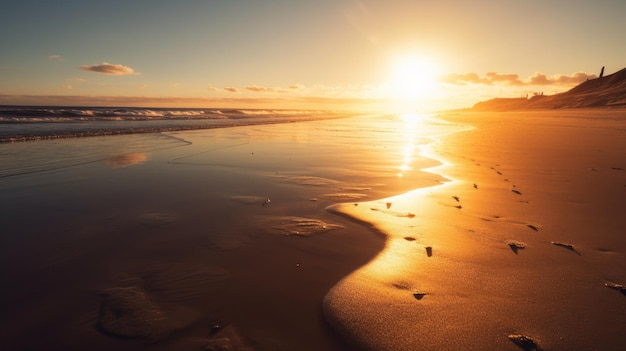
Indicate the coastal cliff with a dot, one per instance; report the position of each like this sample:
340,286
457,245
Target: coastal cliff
606,91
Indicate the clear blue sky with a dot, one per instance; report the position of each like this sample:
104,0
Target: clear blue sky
237,51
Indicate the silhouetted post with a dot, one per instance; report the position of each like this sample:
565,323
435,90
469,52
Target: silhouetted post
602,72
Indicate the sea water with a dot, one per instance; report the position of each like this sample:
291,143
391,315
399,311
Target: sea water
24,123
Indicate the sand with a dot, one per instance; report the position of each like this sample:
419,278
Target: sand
233,238
526,241
193,240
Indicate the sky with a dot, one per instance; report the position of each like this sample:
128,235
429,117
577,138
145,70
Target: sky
323,54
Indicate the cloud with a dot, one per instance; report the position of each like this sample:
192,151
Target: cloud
55,57
462,79
576,78
66,86
508,79
227,89
512,79
76,80
258,89
109,68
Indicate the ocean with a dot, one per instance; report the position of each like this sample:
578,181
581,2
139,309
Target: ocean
29,123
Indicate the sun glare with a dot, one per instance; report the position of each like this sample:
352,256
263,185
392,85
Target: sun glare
412,80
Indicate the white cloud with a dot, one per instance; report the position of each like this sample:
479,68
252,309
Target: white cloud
109,68
55,57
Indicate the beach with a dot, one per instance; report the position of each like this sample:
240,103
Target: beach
526,242
379,232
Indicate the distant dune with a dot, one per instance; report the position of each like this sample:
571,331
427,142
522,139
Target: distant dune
608,91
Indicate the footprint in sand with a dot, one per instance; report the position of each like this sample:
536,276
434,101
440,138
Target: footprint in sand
429,251
525,342
409,238
534,227
619,287
516,191
419,295
516,245
565,246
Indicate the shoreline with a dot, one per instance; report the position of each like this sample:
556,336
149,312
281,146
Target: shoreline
175,229
503,264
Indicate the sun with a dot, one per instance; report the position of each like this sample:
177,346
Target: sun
412,79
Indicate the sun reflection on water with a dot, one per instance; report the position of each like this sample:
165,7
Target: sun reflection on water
409,130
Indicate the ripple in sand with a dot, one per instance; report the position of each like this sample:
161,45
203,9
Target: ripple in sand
308,180
345,196
299,226
128,313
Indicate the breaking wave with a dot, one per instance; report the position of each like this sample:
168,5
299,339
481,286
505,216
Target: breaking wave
26,123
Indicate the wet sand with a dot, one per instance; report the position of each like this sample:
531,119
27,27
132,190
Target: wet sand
233,238
198,240
523,249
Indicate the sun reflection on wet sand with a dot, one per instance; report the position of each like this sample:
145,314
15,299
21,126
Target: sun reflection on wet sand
462,260
125,160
